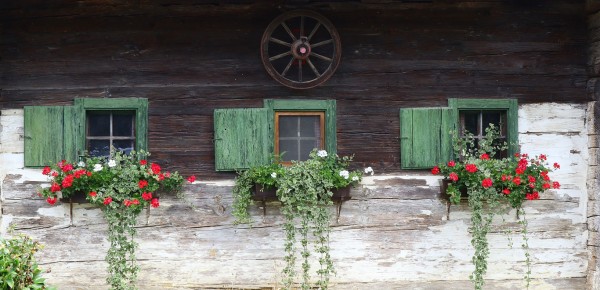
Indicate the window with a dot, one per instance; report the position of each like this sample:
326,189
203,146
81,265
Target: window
425,138
250,136
298,133
107,129
476,121
53,133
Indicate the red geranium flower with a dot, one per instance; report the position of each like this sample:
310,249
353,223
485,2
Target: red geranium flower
451,163
542,157
517,180
531,178
484,156
143,162
555,185
155,168
486,183
192,178
67,167
506,191
154,202
92,193
107,200
127,202
135,201
453,176
46,170
546,185
435,170
472,168
532,196
51,200
55,187
556,165
143,183
147,195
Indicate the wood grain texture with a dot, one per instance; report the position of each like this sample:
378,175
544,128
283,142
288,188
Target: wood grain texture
190,59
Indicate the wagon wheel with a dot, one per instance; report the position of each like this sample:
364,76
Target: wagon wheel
300,49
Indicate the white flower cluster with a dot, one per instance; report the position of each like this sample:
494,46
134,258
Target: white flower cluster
112,163
345,174
97,167
274,175
81,164
369,170
322,153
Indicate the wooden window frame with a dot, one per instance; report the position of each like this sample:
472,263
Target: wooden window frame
321,116
508,105
110,137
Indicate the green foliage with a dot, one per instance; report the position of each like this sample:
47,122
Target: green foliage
18,268
304,189
494,185
122,185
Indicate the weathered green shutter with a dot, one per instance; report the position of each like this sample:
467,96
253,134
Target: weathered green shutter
49,135
241,138
425,138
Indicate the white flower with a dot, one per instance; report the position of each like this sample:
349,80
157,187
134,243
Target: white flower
81,164
322,153
112,163
369,170
345,174
97,167
274,175
355,178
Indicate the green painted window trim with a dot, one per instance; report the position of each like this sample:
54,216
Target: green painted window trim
139,105
71,143
512,111
327,106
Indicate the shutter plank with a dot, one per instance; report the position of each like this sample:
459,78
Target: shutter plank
425,136
241,138
43,135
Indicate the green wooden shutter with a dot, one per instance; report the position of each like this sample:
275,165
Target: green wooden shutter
49,135
241,138
425,138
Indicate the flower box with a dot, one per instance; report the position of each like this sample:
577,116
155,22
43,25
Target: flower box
76,197
341,194
445,182
264,194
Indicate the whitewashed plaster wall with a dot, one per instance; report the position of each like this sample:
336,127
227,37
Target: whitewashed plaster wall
396,233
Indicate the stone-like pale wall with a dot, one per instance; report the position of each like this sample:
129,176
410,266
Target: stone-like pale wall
396,233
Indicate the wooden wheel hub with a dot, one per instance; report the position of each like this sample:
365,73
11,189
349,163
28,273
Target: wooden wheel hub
301,48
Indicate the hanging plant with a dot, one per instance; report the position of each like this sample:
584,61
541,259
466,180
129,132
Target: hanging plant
305,189
493,185
123,185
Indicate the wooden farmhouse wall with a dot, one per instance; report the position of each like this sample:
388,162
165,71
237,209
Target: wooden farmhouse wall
188,58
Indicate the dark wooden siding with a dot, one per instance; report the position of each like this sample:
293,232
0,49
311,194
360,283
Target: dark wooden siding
189,59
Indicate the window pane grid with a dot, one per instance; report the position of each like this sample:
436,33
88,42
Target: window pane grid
99,145
472,121
297,133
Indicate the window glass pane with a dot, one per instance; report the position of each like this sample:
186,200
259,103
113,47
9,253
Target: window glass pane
288,149
288,126
490,117
123,124
98,147
471,123
124,146
310,126
98,124
306,146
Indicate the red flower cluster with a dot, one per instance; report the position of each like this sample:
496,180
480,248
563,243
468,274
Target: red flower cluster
516,178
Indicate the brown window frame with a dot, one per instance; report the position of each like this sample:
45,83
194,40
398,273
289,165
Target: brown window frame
319,114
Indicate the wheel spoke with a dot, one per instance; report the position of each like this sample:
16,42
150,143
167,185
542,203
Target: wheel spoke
288,31
279,41
320,56
312,66
287,67
301,26
300,70
280,56
314,30
322,43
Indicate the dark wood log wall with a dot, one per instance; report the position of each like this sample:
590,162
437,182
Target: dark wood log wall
190,57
